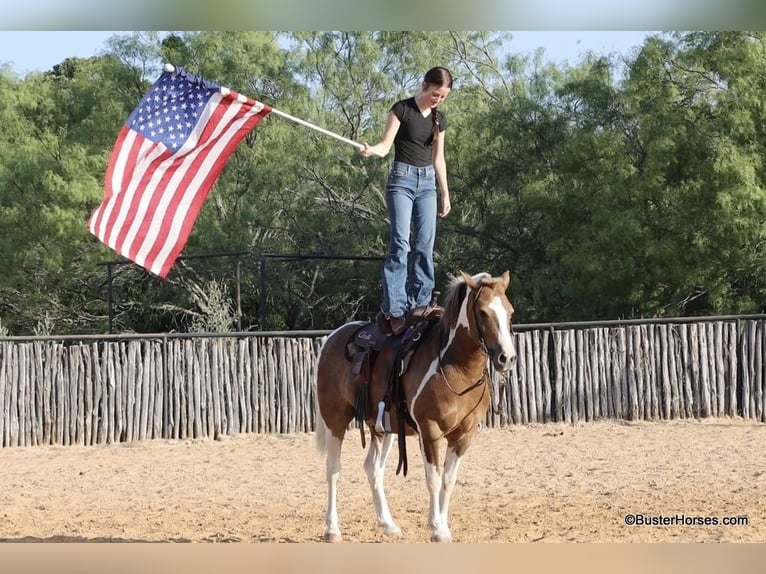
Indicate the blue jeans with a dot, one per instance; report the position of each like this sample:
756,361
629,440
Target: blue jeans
408,273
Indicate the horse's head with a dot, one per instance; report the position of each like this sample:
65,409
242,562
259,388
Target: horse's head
491,317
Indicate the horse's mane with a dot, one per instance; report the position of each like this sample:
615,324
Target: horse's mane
456,291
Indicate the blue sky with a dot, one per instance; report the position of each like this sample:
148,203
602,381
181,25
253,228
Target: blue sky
40,51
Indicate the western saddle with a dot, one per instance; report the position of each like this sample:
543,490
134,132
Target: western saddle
373,344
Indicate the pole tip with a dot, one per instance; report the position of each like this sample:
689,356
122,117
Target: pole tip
169,68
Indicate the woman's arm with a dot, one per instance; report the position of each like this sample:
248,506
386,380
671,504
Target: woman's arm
440,167
384,146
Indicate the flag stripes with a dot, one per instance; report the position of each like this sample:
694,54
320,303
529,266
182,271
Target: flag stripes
154,194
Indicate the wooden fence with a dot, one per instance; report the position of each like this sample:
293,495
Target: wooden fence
639,372
63,391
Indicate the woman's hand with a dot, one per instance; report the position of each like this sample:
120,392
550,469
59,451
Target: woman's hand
365,151
446,206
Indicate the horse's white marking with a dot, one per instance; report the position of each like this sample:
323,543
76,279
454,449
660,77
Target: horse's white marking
375,466
462,318
451,466
462,321
434,483
503,320
438,501
332,528
440,484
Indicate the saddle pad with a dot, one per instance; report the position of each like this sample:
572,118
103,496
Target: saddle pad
370,337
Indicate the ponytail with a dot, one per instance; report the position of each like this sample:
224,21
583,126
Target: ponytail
435,118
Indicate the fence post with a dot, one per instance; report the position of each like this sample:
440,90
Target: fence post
238,279
165,391
109,282
262,295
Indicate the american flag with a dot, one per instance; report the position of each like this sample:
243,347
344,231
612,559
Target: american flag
167,156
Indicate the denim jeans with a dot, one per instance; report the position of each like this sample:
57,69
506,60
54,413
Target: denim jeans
408,272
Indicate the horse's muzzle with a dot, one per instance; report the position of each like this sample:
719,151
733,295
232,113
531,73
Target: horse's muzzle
504,361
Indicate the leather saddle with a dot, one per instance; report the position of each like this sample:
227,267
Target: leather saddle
370,339
373,345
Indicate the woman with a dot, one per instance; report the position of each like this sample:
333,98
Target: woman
416,129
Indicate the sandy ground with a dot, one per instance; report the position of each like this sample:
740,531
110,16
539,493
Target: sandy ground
542,483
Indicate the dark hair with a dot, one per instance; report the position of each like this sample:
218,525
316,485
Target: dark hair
437,76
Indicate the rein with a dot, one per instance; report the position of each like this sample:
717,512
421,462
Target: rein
465,391
482,348
489,373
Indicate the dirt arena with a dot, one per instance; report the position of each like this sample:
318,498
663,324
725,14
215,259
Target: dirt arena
536,483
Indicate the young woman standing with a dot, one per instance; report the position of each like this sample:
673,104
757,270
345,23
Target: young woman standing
415,127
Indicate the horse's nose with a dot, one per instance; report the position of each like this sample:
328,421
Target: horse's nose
506,360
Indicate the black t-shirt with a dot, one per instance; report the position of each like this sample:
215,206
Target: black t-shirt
414,141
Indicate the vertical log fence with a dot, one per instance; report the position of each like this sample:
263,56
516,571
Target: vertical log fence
88,390
637,370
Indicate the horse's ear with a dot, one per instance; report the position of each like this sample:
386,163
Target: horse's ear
506,279
468,280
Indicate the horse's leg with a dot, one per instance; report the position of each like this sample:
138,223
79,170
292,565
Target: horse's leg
335,410
375,466
333,445
451,466
433,461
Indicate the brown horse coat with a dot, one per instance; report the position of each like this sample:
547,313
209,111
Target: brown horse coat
445,389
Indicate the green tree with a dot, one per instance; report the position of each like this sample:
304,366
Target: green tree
54,153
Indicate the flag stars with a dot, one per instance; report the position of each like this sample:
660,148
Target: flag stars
171,109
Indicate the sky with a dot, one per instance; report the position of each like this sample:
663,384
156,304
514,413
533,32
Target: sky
41,50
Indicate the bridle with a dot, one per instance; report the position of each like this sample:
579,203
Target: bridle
489,373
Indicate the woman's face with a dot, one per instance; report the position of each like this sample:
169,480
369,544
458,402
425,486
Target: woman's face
435,95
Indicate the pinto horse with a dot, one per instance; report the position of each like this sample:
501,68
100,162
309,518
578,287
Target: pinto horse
446,391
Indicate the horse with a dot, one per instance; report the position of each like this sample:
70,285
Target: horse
446,393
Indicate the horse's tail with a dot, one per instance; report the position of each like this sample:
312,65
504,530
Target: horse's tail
320,435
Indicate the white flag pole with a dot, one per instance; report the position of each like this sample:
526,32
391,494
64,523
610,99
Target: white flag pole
317,128
357,145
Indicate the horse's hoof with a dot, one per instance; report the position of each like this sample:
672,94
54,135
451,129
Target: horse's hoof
441,537
332,537
392,530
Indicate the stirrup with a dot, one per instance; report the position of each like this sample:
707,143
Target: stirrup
379,418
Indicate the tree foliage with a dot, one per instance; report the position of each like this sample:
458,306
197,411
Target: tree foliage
611,188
